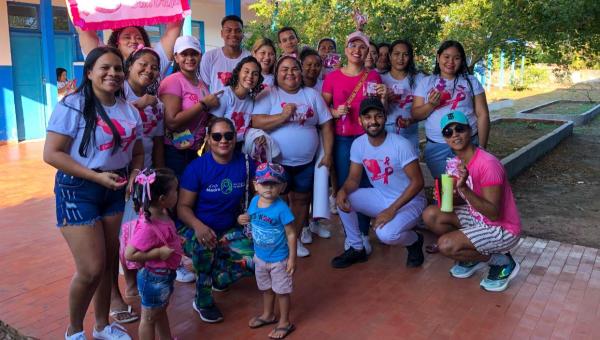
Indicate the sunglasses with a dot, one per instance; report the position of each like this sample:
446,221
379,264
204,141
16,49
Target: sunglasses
448,131
217,136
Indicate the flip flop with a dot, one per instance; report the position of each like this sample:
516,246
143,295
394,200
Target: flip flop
262,322
288,330
124,316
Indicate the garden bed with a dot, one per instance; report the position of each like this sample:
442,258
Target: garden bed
580,112
520,142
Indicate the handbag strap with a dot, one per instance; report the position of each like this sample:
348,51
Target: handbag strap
358,86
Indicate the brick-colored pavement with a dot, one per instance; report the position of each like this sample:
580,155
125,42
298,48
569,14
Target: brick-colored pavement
556,294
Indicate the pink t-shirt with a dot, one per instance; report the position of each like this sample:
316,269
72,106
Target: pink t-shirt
485,170
155,234
192,135
340,86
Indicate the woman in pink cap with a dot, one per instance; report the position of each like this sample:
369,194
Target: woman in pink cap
343,90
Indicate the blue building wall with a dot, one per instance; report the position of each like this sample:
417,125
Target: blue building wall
8,116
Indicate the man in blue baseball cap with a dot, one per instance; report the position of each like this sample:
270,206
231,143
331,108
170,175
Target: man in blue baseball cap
485,225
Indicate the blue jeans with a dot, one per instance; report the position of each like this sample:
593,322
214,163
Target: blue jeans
341,161
83,202
155,286
436,155
177,160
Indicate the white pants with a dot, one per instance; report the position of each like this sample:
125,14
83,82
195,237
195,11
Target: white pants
370,202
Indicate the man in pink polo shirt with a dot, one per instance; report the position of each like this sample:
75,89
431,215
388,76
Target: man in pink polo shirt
487,225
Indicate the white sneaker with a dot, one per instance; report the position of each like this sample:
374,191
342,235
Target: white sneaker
332,205
306,236
301,250
76,336
366,244
184,275
319,229
114,331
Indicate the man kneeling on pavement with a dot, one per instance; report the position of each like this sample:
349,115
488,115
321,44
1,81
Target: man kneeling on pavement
396,199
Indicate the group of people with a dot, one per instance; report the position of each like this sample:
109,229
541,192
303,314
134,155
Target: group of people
217,162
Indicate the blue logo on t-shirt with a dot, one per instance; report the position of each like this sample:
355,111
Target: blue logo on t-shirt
226,186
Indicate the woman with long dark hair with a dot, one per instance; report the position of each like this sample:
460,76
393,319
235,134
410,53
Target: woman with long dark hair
237,101
402,80
140,88
451,87
94,141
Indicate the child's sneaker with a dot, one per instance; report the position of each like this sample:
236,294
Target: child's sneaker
415,257
366,244
317,228
114,331
332,205
301,250
463,270
75,336
306,236
184,275
499,276
211,314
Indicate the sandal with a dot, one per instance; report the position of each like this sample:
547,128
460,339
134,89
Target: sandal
259,322
124,316
288,329
432,248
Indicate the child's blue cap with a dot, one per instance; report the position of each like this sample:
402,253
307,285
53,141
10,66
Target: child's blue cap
270,172
453,117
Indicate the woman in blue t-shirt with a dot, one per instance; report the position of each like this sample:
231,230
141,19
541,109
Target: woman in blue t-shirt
212,189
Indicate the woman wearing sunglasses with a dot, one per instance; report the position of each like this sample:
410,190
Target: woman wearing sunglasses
291,114
211,190
449,88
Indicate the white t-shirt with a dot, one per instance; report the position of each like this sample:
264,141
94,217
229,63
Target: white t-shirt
67,119
456,96
216,68
152,123
268,80
385,164
298,138
319,85
236,110
401,102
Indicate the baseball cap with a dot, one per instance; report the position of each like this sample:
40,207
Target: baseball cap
371,103
357,35
453,117
270,172
186,42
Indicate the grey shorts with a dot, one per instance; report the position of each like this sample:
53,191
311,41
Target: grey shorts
487,239
272,275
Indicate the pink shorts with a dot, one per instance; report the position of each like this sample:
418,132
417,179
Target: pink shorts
272,276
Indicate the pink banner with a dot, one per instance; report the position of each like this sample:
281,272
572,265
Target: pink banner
113,14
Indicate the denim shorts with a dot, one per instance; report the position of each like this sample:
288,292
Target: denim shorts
300,178
83,202
155,286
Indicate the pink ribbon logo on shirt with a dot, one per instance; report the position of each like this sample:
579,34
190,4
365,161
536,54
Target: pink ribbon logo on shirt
125,140
372,166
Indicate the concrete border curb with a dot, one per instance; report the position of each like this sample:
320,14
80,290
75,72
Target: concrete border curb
580,119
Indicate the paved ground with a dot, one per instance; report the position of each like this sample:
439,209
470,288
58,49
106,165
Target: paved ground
556,294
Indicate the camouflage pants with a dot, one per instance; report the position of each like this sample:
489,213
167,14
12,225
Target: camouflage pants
229,261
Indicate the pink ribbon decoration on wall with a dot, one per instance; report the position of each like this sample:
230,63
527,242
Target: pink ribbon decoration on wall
113,14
